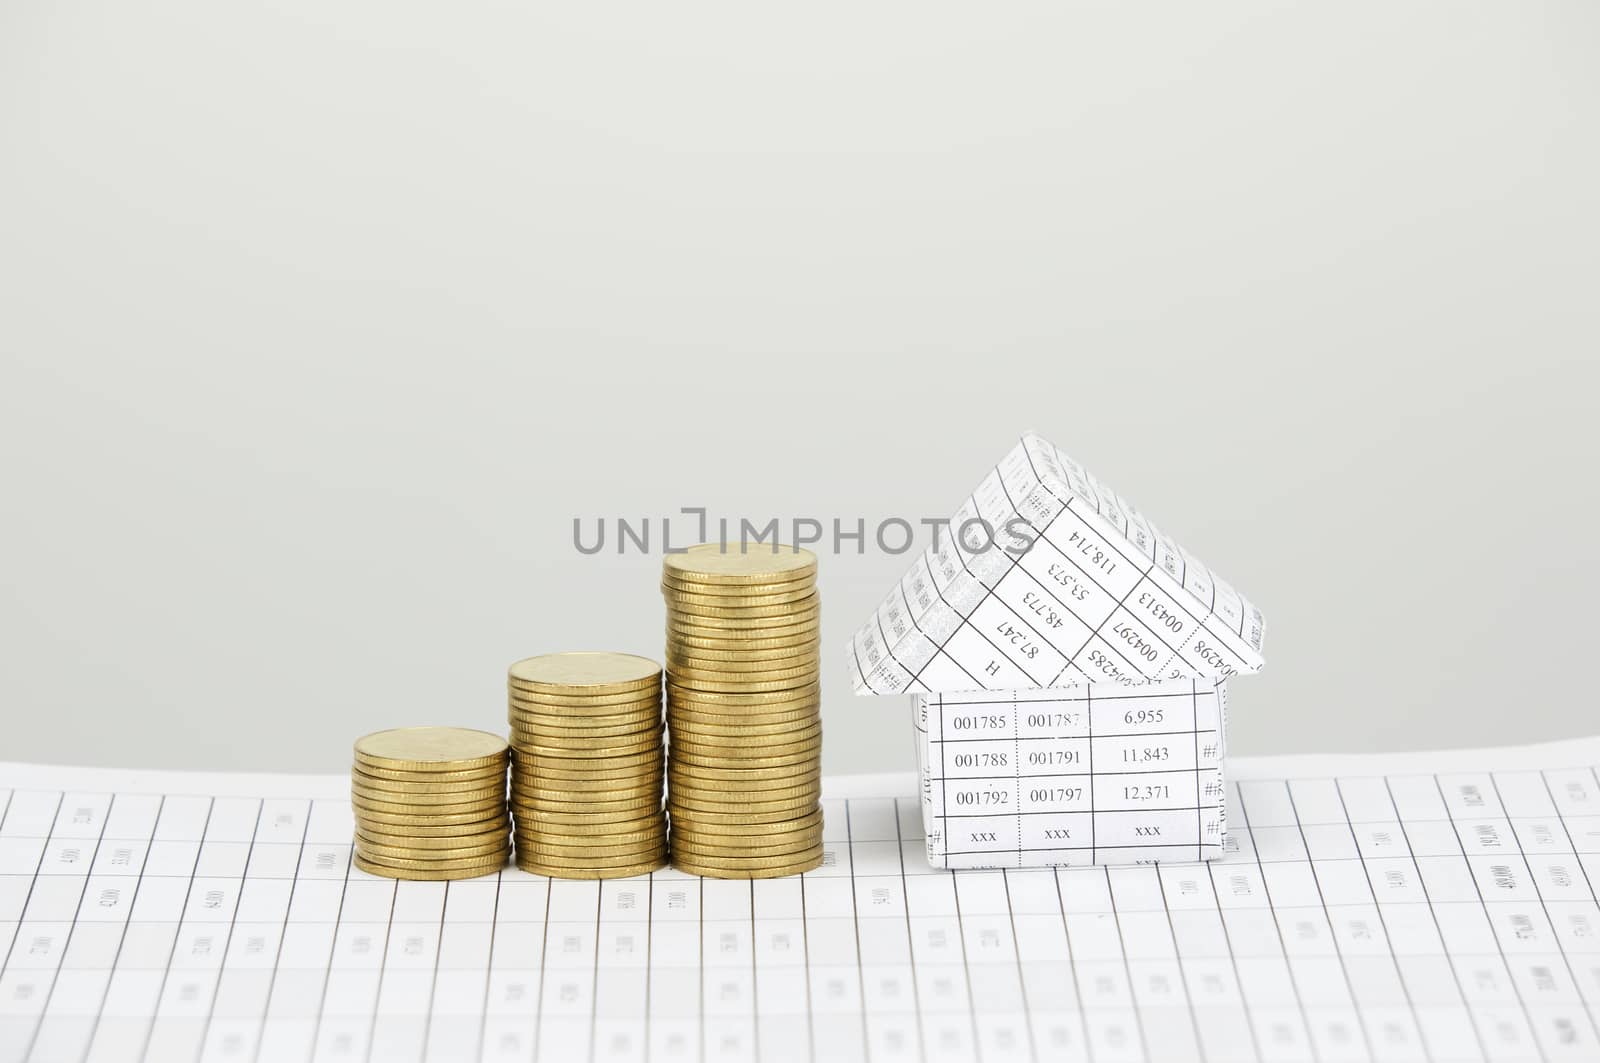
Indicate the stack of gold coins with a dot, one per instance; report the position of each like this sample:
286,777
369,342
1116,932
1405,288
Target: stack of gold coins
743,708
587,765
430,803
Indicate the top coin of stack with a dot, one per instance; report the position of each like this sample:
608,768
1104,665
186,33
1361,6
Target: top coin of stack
743,708
430,803
587,765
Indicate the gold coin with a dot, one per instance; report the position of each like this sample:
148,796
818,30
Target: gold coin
574,764
750,651
424,848
644,868
627,819
487,784
690,772
764,615
712,824
686,754
765,835
602,788
695,806
497,856
628,786
743,849
390,865
582,671
739,642
751,700
741,562
682,637
706,683
744,738
697,728
430,748
758,867
744,749
744,798
592,841
411,818
721,718
803,767
698,600
563,860
741,667
427,874
598,727
556,801
381,850
582,850
407,827
692,602
746,658
620,751
538,705
478,775
760,797
424,805
783,625
595,827
423,809
756,821
635,766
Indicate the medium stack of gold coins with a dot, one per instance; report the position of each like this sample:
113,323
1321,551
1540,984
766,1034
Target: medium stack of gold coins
430,803
587,765
743,708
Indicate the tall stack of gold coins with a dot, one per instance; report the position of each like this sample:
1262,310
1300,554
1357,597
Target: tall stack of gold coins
743,709
587,765
430,803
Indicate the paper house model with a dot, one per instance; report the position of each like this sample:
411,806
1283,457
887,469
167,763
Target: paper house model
1067,665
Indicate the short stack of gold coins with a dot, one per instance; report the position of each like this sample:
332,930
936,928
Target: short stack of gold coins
430,803
587,765
743,710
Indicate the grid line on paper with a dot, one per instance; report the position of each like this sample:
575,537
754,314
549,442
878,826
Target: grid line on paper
1183,968
488,969
961,939
1077,984
1588,884
1383,919
1022,979
855,921
55,977
227,939
1344,968
1544,905
911,942
283,929
1127,966
377,1002
1120,1023
433,983
27,897
1277,923
333,942
1211,867
155,1016
122,939
1433,914
1522,1002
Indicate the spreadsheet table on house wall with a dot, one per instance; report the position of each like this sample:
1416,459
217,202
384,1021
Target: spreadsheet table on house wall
1404,907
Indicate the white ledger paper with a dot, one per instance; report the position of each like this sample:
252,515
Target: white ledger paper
1398,907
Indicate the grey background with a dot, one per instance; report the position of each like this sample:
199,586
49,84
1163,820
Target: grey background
321,322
